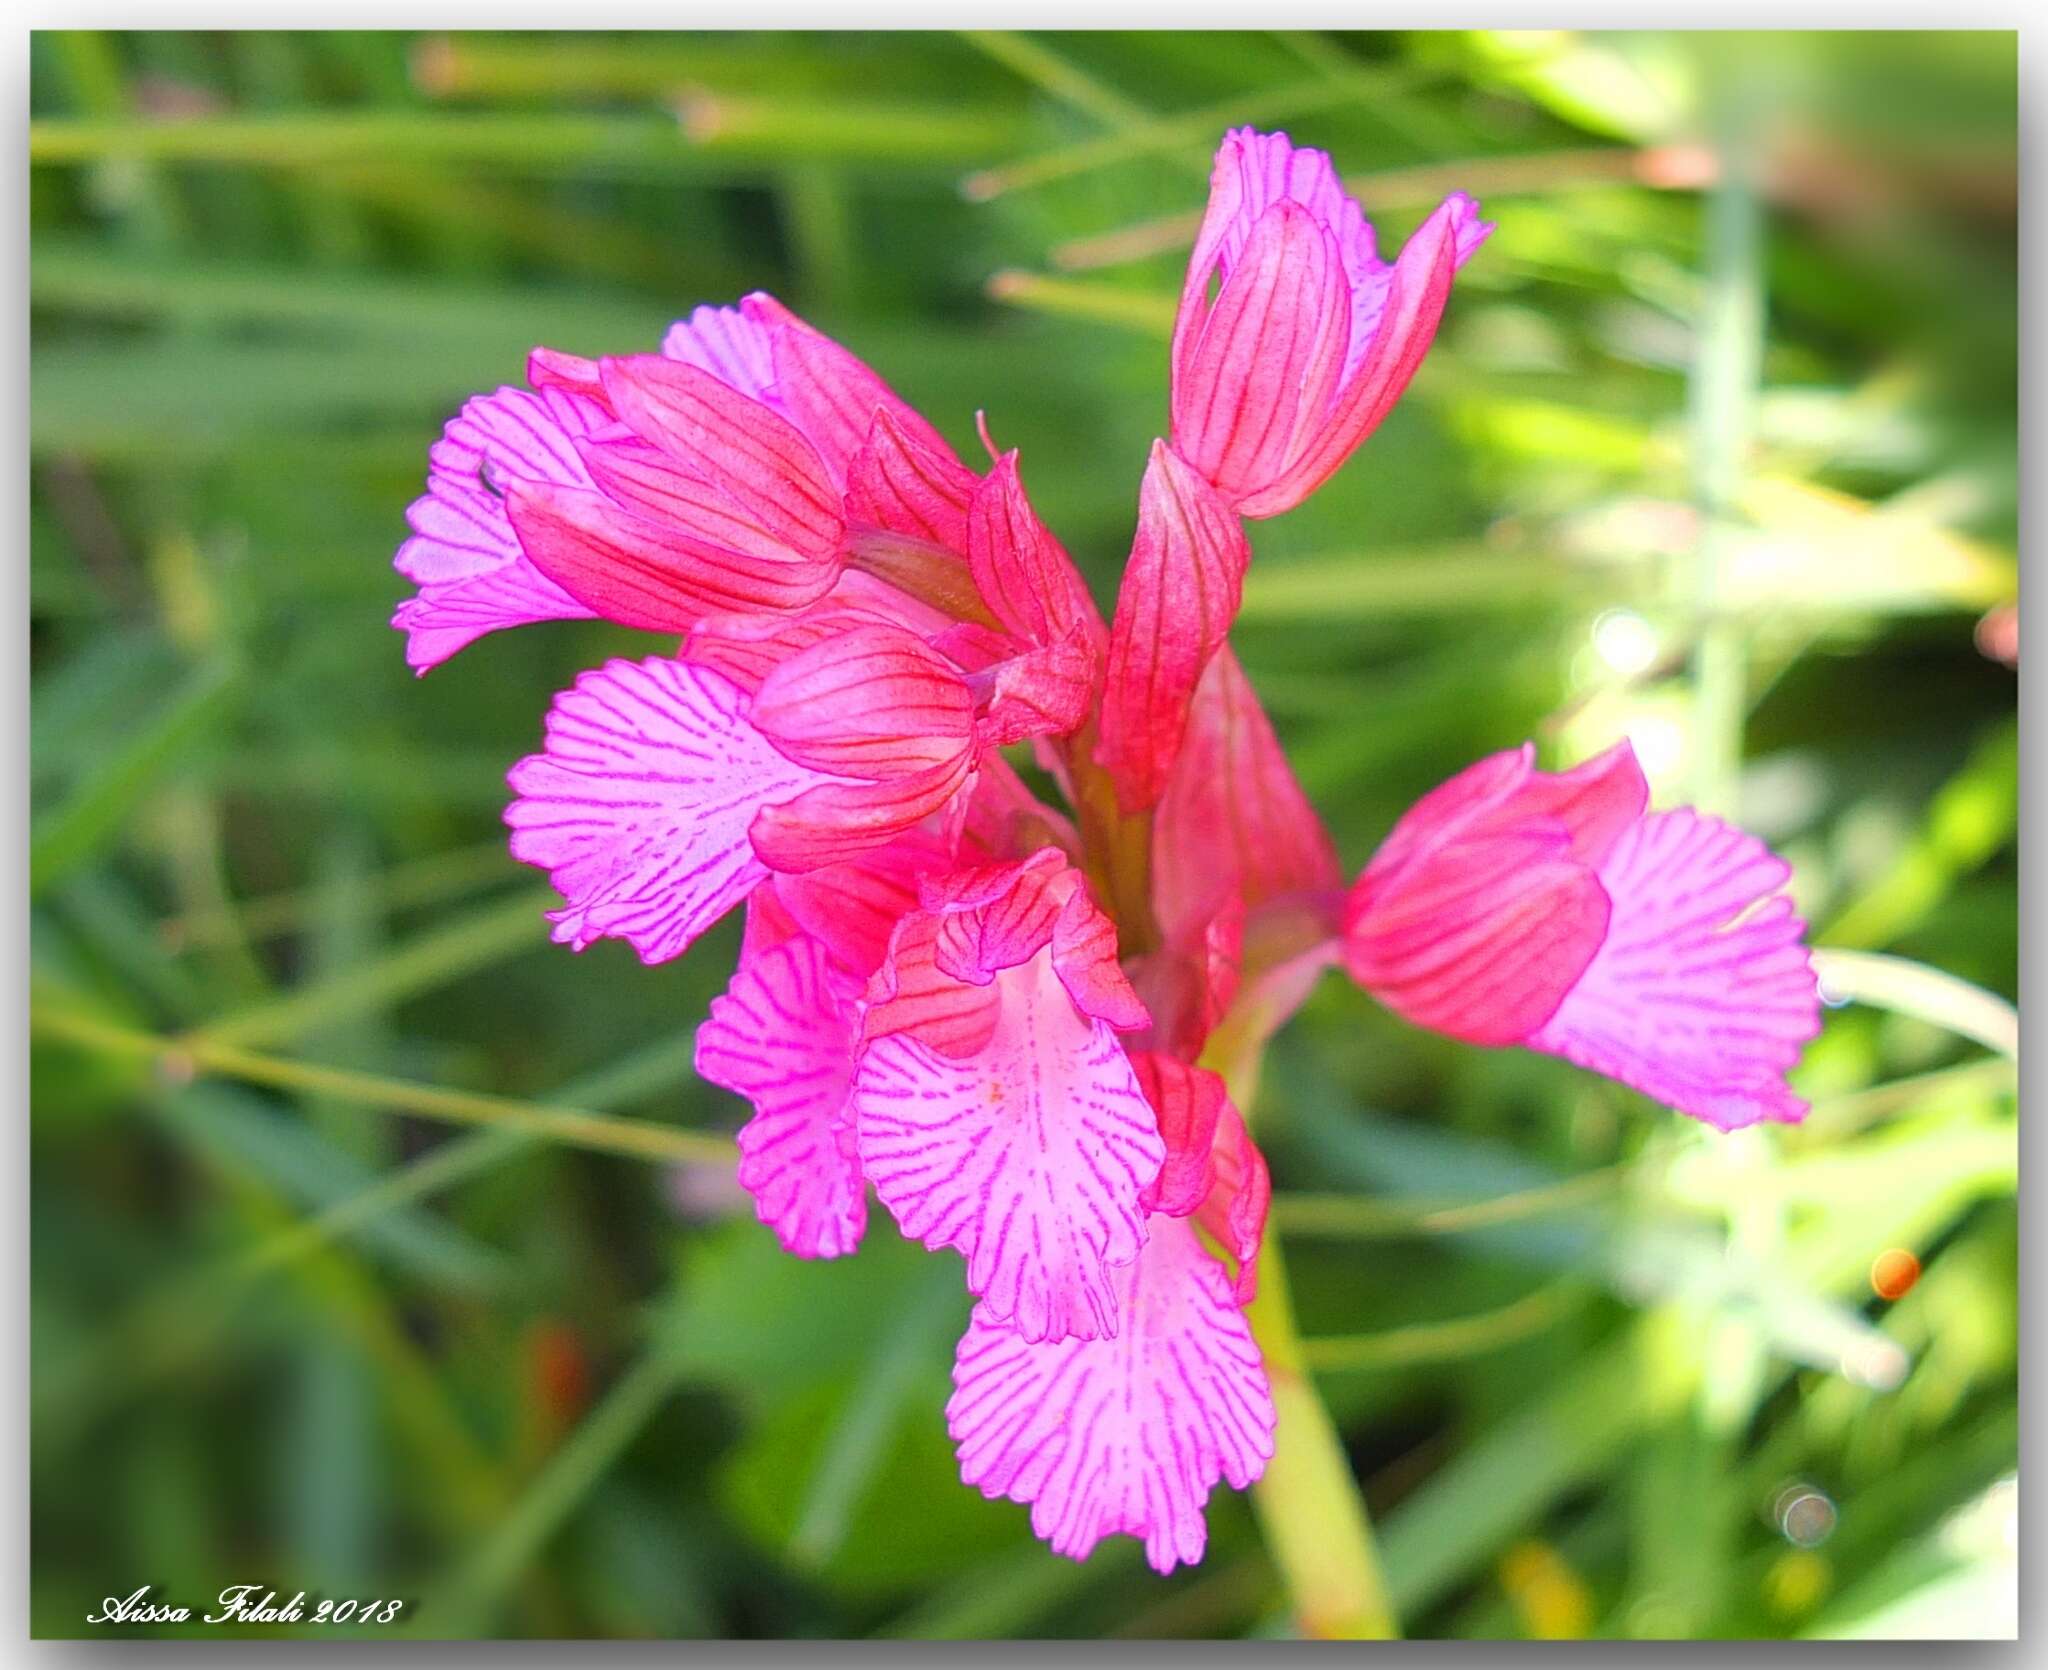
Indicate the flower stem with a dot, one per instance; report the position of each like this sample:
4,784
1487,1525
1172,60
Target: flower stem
1308,1504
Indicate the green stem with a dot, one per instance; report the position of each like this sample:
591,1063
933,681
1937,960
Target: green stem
1308,1504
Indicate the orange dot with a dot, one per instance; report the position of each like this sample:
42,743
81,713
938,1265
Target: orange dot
1893,1273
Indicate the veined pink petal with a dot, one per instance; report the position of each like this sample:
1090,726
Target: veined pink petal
911,996
1188,1100
1370,322
994,917
1028,1156
1124,1435
783,1037
1702,994
1023,573
642,573
1235,1212
463,555
1005,817
1268,357
1482,909
1417,290
1233,820
1482,938
738,351
639,804
829,392
760,461
837,820
550,368
1045,691
871,702
646,481
853,908
1181,590
902,485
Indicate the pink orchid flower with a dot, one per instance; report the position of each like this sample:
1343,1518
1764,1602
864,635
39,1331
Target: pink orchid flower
998,1017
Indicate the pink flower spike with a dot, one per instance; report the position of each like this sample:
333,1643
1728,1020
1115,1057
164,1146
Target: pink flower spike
473,578
1124,1435
1181,590
1702,994
783,1037
638,806
1514,906
1311,337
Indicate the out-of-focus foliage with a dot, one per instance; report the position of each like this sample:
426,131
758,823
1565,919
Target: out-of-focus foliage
1717,448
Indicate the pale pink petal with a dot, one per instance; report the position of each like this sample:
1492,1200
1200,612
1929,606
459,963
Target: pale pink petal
1123,1436
463,554
733,348
1029,1156
638,807
782,1036
872,702
1702,994
1181,590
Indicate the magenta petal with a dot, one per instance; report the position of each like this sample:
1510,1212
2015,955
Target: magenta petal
1181,590
898,483
1187,1100
1702,994
838,820
1028,1156
1269,355
639,804
1123,1436
782,1036
472,576
1025,575
873,702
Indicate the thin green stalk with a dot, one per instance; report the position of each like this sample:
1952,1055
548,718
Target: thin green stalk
1308,1503
1723,415
1354,1217
1910,988
1147,311
638,1139
1435,1342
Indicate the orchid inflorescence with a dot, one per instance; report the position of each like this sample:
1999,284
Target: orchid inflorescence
1002,1016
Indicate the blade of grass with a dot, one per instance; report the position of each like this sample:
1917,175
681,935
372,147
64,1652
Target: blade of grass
102,802
1436,1342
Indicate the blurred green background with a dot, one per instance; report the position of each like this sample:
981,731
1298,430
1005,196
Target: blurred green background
1717,447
